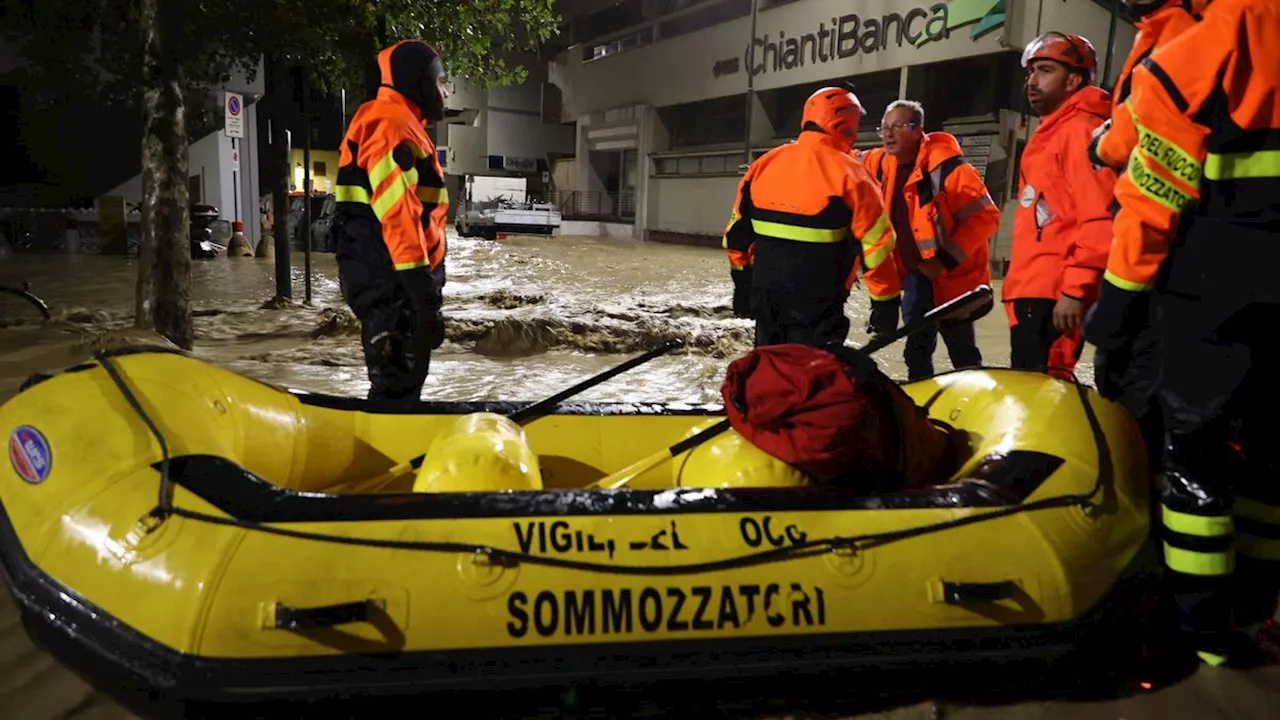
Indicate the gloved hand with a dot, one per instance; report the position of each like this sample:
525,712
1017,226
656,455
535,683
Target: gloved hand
884,316
435,329
1116,318
741,291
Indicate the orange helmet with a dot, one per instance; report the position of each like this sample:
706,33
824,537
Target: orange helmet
837,111
1071,50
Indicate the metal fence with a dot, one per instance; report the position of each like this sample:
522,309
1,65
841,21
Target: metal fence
595,205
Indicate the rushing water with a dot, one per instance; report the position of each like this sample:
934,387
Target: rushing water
526,317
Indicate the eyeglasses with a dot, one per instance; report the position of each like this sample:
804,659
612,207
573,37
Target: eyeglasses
895,127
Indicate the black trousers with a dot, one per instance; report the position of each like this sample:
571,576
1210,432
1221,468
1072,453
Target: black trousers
1036,344
397,345
1130,374
782,316
960,337
1220,480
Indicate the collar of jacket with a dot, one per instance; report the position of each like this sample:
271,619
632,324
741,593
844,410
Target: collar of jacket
1159,11
813,137
1092,100
386,93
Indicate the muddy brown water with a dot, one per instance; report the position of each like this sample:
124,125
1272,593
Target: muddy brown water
527,317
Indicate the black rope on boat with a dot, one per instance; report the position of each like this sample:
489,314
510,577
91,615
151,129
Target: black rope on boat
807,548
164,503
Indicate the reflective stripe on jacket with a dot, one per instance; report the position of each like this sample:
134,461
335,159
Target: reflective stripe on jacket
952,214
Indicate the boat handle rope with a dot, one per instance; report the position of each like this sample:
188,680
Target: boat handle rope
165,509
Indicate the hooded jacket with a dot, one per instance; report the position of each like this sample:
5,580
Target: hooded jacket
392,205
1062,223
952,214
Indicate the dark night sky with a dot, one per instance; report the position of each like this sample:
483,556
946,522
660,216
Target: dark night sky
84,148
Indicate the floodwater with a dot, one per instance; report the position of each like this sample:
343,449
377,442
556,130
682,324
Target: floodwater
526,318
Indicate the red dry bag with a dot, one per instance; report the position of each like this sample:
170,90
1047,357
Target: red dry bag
833,413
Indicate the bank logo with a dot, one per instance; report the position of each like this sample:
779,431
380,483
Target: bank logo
984,15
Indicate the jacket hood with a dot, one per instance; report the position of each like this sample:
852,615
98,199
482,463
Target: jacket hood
938,146
819,137
1092,100
410,67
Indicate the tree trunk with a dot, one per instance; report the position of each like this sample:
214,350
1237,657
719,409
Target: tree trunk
164,255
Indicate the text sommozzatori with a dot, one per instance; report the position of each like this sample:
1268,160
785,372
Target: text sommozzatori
650,610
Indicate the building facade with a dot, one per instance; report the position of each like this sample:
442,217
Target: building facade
670,98
504,131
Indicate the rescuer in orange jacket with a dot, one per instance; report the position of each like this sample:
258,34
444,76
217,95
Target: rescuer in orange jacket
389,223
938,200
1199,224
1128,373
1062,224
805,218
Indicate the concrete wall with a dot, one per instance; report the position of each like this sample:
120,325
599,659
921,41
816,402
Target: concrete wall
868,36
521,134
840,39
697,206
504,120
466,150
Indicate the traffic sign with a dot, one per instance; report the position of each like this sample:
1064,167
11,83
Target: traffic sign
234,105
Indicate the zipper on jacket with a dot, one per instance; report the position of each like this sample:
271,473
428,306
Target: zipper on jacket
1036,209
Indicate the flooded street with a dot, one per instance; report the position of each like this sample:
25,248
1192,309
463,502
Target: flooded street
526,318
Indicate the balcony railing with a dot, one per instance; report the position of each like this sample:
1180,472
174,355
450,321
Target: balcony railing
596,205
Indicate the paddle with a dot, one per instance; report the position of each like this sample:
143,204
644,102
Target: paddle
971,306
542,407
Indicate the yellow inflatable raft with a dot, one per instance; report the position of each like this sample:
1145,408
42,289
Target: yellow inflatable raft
171,525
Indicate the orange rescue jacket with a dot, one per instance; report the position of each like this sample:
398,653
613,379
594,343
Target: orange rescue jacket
952,214
1062,224
389,175
1207,115
806,217
1155,29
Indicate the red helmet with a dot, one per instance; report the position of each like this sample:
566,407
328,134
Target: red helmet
836,111
1073,51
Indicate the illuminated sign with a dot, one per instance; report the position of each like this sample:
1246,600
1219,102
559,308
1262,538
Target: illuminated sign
848,35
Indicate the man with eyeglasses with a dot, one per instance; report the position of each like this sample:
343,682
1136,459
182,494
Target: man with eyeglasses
943,217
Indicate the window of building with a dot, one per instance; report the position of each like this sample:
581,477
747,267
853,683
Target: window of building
609,20
613,47
705,164
706,122
713,13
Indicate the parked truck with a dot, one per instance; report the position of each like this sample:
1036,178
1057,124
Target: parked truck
493,206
